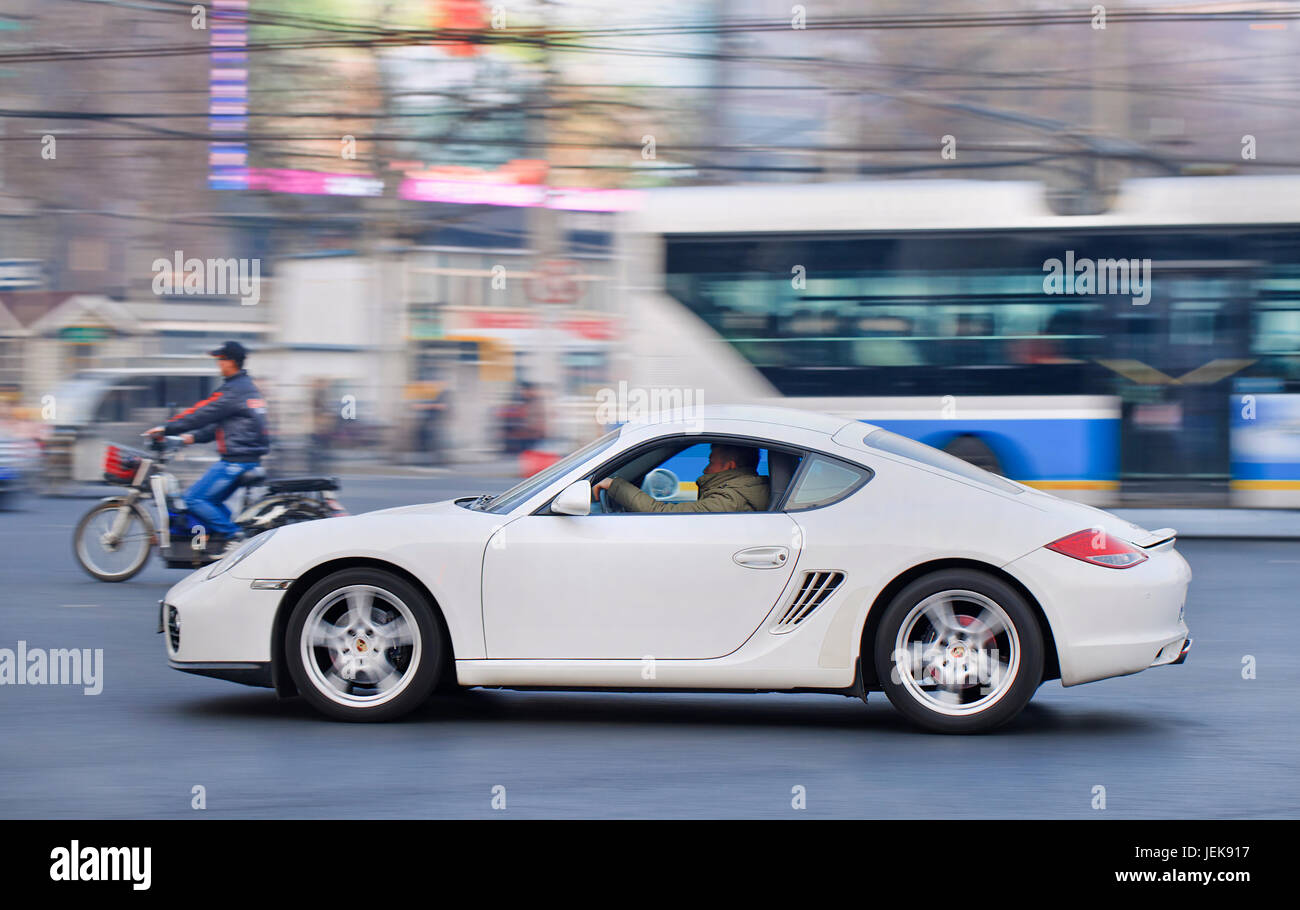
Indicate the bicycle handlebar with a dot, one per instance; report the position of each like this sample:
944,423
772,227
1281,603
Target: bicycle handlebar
165,445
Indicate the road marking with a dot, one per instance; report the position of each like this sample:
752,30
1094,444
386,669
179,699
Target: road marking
78,605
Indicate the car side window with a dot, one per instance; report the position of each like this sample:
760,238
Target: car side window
825,481
669,471
686,465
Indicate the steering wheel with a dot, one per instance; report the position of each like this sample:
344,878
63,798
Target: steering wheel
607,505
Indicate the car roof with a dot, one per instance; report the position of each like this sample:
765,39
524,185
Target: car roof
791,418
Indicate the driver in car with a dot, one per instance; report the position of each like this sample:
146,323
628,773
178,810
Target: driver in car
730,483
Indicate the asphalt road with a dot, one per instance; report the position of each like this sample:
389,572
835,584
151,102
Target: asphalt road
1193,741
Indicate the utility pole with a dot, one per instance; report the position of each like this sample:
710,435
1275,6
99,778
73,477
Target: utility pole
545,237
1110,106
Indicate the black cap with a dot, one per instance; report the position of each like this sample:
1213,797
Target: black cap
231,350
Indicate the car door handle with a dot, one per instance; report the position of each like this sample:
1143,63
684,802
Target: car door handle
762,557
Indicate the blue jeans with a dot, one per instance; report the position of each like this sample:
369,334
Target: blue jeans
206,500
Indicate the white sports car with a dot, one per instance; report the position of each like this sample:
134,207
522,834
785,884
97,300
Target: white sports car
880,564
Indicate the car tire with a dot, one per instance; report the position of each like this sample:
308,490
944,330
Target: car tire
365,645
969,647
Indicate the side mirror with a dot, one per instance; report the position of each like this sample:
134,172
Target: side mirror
574,500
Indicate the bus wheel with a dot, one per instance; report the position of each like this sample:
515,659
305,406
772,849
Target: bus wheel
976,451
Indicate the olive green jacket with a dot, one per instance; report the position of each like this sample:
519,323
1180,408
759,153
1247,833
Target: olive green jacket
736,490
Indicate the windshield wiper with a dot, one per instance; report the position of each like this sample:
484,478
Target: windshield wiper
480,503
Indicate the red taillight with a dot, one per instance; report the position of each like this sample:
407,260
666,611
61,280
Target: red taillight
1099,548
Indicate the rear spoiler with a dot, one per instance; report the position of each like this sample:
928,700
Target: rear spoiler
1156,539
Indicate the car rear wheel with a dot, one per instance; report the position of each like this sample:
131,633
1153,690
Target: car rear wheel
364,645
959,651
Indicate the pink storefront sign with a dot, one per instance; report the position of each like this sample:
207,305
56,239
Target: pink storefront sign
578,199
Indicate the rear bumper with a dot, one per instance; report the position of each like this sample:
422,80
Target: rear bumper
1173,655
1110,622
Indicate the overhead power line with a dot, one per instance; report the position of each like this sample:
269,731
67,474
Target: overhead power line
571,39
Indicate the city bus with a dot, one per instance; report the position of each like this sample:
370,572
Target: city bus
958,313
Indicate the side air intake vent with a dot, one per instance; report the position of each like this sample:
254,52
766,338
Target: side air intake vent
815,589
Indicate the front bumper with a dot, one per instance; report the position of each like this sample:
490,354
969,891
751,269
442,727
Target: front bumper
214,625
249,674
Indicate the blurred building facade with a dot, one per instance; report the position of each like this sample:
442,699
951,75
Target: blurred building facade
409,272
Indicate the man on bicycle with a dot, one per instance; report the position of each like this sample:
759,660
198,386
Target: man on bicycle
235,416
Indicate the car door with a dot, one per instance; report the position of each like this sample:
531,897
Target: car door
628,586
834,535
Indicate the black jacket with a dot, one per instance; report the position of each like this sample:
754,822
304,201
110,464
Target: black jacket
234,415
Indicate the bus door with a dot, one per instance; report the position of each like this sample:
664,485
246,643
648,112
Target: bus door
1173,359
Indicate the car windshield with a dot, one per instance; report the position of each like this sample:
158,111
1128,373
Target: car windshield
526,489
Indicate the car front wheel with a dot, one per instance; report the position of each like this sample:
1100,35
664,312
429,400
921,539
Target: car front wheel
364,645
959,651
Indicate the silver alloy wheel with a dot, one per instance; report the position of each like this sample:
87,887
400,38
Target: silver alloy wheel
957,652
360,646
101,552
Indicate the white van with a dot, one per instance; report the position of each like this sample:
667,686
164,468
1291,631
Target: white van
95,407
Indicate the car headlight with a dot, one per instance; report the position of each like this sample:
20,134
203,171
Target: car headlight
230,560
